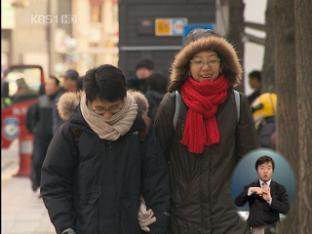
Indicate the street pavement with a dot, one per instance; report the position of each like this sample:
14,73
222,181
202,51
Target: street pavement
22,211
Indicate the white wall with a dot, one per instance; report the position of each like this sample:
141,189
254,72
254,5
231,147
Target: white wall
255,12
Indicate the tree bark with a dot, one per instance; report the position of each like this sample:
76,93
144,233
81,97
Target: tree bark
303,34
285,78
268,68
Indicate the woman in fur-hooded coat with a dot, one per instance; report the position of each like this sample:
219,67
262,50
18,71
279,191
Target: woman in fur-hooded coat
208,139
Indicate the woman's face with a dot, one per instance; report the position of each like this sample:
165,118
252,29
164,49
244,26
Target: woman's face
205,65
106,108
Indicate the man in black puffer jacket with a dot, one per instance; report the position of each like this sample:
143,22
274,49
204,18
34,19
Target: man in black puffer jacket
99,164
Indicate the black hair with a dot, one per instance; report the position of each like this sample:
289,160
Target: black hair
264,159
255,74
71,74
56,80
106,82
145,63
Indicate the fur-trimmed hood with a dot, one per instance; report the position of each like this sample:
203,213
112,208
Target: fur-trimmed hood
229,60
67,104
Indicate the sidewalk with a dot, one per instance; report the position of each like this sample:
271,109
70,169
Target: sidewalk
22,211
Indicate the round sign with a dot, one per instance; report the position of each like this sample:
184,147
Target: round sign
11,128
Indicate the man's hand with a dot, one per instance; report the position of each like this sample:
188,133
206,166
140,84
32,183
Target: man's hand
256,190
145,217
267,194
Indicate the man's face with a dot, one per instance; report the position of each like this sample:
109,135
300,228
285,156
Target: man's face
51,87
254,83
70,85
265,171
143,73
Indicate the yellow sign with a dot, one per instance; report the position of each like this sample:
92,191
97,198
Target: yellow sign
163,27
170,26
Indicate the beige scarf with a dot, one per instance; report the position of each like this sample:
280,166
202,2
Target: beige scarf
118,125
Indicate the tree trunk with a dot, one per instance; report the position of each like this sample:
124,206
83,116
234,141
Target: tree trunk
303,33
285,78
268,68
236,30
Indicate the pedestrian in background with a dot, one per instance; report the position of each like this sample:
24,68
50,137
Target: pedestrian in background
39,122
264,112
98,164
156,89
254,79
204,129
143,70
71,80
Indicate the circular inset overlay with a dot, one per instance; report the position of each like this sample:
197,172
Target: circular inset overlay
245,173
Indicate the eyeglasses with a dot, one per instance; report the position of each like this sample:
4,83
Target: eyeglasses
112,110
201,63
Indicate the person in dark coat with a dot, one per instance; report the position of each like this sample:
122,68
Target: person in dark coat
99,164
143,70
39,122
254,78
266,198
157,84
208,139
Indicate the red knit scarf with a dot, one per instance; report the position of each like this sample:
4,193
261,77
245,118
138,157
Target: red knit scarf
202,100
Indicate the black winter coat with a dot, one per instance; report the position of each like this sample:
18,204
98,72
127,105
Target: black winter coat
39,118
94,185
134,83
154,98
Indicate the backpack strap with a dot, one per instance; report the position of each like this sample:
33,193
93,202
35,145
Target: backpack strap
237,102
177,108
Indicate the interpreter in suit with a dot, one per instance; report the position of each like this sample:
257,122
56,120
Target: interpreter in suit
266,198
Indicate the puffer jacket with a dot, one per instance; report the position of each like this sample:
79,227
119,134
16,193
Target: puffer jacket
94,186
201,201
